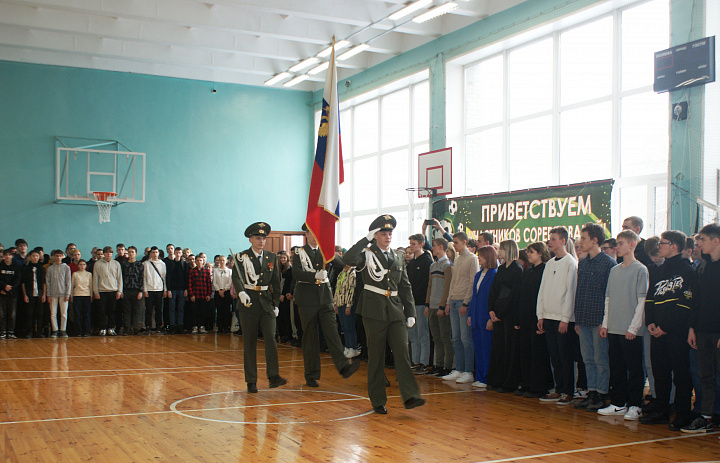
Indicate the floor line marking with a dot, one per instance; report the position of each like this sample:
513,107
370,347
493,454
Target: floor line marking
591,449
119,353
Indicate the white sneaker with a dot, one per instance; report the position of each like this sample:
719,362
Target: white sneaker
346,353
202,330
479,385
633,413
102,332
452,376
466,377
194,330
611,410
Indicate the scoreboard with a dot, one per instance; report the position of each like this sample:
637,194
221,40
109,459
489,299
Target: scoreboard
684,66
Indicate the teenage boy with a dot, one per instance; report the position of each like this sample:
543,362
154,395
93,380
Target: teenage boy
438,314
177,281
636,224
154,290
465,267
623,327
121,253
314,299
555,314
593,274
133,282
257,283
9,286
418,270
107,288
667,310
59,287
21,246
387,308
704,332
34,290
609,247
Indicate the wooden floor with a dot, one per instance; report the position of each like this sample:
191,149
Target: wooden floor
182,399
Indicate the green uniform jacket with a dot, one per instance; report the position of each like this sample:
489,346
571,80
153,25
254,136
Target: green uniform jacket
306,291
269,276
377,306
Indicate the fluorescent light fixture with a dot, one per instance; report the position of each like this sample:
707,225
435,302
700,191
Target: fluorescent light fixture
353,51
318,69
296,80
338,46
304,64
411,8
277,78
435,12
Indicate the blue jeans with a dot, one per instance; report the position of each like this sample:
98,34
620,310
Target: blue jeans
177,307
347,324
596,358
461,337
419,336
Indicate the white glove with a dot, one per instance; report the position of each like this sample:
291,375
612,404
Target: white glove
276,311
321,275
244,298
410,322
371,235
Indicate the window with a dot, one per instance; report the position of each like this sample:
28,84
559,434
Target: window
571,102
383,131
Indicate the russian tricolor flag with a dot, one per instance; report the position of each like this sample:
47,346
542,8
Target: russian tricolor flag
327,175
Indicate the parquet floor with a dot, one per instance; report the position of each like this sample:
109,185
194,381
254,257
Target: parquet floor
182,398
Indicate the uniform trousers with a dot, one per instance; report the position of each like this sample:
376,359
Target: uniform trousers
442,337
394,333
323,316
627,379
251,319
671,364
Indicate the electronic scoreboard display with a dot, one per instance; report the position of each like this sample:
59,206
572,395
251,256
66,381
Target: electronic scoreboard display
685,66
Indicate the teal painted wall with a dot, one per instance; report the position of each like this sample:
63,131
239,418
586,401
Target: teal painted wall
215,162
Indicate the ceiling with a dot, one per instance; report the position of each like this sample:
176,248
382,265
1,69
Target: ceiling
237,41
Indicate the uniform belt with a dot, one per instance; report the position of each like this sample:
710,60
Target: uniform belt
316,282
376,290
257,288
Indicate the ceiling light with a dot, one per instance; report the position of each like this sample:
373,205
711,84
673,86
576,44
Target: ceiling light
435,12
320,68
338,46
296,80
277,78
304,64
411,8
353,51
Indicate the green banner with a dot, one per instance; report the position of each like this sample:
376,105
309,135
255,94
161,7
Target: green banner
527,216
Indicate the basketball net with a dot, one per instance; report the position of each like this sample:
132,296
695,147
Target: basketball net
419,207
104,206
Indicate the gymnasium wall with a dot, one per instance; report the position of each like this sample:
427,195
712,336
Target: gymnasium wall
215,161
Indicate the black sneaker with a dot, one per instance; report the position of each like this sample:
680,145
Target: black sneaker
677,424
596,402
655,418
583,403
698,425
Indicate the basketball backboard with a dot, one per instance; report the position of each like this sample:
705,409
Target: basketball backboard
102,166
435,173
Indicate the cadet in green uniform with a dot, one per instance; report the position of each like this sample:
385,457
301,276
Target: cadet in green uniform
257,282
315,305
388,309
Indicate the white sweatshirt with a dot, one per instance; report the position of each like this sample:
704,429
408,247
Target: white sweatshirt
556,298
152,280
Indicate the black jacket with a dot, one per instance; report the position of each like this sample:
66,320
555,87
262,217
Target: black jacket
10,275
670,296
705,311
502,293
418,270
527,294
26,278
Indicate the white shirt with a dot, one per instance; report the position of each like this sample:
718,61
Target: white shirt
222,278
152,280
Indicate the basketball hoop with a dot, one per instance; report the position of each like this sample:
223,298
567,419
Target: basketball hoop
420,204
104,206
